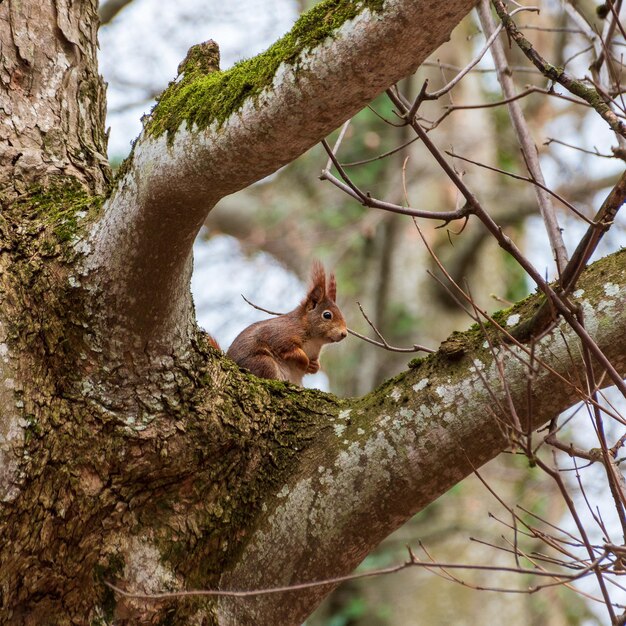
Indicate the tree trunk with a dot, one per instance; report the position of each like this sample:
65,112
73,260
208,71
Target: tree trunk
52,96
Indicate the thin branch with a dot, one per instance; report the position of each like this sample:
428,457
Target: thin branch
385,344
413,562
342,173
603,60
421,96
366,200
527,179
597,517
450,292
578,18
618,444
416,347
478,70
440,92
344,128
582,52
616,18
383,118
574,86
380,156
593,152
522,94
260,308
526,142
593,456
552,29
573,540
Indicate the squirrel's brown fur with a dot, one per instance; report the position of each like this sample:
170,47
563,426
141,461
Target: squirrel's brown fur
288,346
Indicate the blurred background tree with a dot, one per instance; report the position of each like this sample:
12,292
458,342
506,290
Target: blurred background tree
261,241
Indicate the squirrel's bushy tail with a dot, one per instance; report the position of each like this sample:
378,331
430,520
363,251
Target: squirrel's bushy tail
213,342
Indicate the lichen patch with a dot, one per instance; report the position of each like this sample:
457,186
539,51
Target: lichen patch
513,320
395,394
420,385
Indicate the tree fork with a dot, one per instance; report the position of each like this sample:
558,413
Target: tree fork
129,450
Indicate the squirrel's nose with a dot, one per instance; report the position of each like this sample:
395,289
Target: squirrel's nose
344,334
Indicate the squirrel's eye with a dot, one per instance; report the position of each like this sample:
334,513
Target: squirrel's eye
327,315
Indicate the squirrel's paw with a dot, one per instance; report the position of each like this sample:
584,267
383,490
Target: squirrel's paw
314,366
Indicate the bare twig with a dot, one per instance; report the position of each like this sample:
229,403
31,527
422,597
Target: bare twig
579,19
381,156
440,92
451,108
342,133
532,181
618,444
552,29
384,344
590,455
412,562
260,308
594,152
478,70
382,117
365,199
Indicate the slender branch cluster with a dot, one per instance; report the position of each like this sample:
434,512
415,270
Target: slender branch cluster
591,549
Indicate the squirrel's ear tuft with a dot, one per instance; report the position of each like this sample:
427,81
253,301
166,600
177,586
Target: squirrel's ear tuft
318,285
332,288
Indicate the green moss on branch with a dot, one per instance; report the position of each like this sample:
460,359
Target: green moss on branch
56,209
201,98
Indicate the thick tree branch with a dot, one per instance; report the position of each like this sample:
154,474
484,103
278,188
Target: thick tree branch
195,149
171,468
108,10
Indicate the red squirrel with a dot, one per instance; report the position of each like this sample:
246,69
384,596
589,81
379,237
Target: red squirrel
288,346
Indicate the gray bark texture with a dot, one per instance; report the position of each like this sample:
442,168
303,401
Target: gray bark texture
132,452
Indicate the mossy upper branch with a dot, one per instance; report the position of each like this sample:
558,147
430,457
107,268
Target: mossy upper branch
204,94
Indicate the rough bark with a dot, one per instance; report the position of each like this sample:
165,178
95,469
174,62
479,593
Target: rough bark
52,98
134,453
